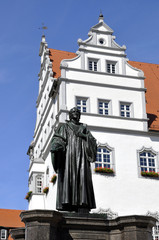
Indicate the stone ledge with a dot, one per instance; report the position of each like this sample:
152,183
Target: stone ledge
44,216
89,222
18,233
53,225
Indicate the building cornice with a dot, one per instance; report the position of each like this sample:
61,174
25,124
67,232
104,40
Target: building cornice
109,116
115,117
123,48
34,162
103,84
123,131
35,172
100,31
83,49
101,73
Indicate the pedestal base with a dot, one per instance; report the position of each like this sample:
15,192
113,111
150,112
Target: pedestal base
18,233
52,225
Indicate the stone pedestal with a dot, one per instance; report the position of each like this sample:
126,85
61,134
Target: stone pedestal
18,233
41,224
52,225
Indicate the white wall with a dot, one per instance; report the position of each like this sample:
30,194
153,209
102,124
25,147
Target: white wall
127,192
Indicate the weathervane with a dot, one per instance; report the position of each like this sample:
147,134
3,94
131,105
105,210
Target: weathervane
43,28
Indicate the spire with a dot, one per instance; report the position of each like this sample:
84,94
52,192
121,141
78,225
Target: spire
101,17
43,38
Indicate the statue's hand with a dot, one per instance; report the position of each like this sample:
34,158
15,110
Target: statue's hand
82,135
82,132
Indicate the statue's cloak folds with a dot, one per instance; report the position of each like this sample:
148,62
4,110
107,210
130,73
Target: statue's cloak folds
73,148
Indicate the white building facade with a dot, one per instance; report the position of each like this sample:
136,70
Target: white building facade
111,96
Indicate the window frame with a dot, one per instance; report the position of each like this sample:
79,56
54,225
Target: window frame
130,104
81,99
112,155
3,231
109,107
112,63
148,150
155,231
93,60
38,187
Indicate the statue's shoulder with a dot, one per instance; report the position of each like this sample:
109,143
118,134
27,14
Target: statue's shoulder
68,124
60,127
83,125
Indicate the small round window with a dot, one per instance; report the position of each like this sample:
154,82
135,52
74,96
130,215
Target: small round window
101,41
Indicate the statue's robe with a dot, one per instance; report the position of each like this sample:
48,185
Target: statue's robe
72,153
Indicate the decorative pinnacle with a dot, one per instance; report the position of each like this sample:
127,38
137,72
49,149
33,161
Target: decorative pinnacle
101,14
101,17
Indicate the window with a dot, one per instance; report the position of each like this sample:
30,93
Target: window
125,109
147,161
111,67
103,107
3,234
92,65
155,231
104,158
81,104
102,41
39,183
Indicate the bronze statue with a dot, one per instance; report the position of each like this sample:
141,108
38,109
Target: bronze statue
73,148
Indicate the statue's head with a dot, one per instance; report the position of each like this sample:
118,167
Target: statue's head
75,114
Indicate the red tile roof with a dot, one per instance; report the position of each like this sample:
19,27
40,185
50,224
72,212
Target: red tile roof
10,218
56,56
151,72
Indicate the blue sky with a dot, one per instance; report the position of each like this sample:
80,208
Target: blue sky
135,24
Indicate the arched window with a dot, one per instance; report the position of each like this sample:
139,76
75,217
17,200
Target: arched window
104,157
148,161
